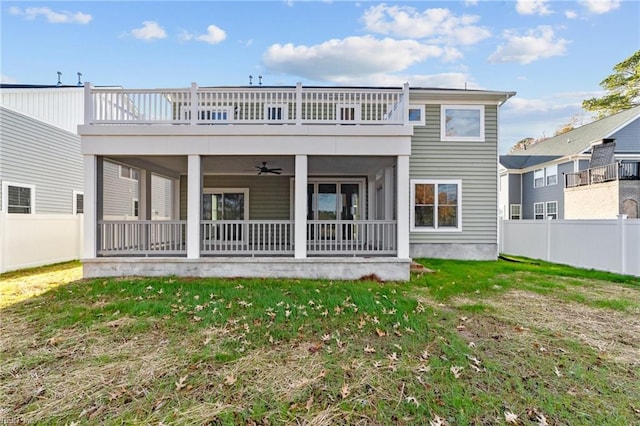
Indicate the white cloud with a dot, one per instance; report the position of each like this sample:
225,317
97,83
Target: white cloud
471,3
532,7
443,80
536,44
63,17
570,14
185,35
600,6
339,59
6,79
150,30
438,23
214,35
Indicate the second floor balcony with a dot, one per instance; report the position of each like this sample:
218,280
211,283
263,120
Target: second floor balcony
247,105
628,170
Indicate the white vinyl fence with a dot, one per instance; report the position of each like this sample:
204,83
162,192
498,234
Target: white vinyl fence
41,239
605,244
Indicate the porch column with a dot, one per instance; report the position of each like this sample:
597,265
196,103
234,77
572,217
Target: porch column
144,188
93,188
388,193
194,195
402,187
300,207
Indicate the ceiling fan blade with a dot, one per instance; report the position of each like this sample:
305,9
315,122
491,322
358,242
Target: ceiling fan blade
275,172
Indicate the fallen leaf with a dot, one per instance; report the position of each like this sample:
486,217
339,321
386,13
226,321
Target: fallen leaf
412,400
344,392
542,420
316,347
230,380
180,383
456,371
326,337
558,373
309,403
393,357
369,350
437,421
511,418
380,332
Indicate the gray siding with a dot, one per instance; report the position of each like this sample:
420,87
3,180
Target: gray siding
36,153
628,138
119,193
531,195
515,190
268,195
475,163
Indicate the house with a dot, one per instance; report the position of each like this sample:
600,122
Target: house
307,182
591,172
41,177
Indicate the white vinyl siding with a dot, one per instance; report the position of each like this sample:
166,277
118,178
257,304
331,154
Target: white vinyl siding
462,123
436,205
538,211
515,212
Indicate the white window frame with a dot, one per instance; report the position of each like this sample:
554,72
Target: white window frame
422,119
5,196
357,112
541,213
75,202
284,112
436,228
512,214
538,176
131,172
443,121
551,171
547,214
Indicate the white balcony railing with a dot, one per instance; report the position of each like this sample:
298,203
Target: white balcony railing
610,172
141,237
353,237
247,237
252,105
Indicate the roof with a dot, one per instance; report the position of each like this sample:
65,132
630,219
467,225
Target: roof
580,139
524,161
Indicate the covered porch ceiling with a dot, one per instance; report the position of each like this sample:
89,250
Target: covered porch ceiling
174,166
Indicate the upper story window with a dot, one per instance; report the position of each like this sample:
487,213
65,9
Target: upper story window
462,123
538,178
127,172
416,115
19,198
551,173
435,205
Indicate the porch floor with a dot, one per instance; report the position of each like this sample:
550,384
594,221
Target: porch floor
337,268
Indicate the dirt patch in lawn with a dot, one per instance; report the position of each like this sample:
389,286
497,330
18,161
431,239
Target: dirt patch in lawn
613,333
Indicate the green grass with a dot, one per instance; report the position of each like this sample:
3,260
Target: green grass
456,345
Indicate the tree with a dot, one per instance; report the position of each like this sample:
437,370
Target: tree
622,87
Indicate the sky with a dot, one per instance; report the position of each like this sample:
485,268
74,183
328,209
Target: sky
554,54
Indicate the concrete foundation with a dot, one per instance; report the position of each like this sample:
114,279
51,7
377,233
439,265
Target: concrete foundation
455,251
339,268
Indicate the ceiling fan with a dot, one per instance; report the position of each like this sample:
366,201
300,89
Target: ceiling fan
264,169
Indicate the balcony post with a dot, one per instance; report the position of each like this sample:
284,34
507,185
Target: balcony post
194,195
93,174
88,104
194,103
405,103
402,187
300,207
298,103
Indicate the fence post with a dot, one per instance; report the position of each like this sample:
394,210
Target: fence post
621,242
548,231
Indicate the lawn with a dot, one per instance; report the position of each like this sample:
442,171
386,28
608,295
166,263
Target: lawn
469,343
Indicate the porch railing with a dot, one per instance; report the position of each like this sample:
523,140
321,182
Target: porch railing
247,237
142,237
353,237
610,172
248,105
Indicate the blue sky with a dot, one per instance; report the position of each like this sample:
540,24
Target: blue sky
553,53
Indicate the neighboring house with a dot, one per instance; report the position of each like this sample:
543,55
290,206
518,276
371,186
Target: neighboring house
591,172
310,182
41,176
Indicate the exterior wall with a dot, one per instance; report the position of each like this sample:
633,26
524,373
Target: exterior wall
60,106
36,153
268,195
599,201
531,195
629,190
475,163
118,193
161,197
628,138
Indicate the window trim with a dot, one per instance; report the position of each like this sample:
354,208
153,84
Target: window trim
539,214
5,196
74,205
412,211
443,126
423,119
546,209
538,171
553,167
216,190
131,169
511,214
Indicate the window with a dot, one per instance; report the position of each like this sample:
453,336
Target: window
516,212
18,198
552,209
217,114
127,172
538,178
135,207
347,112
436,205
78,202
275,112
416,115
538,210
552,174
462,123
